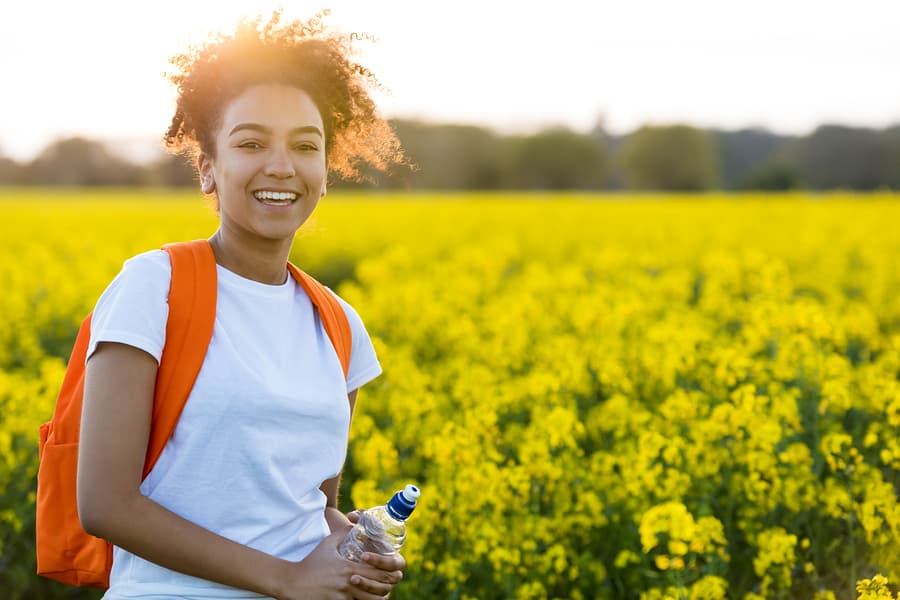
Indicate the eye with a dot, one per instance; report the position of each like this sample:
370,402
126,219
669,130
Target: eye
250,145
306,147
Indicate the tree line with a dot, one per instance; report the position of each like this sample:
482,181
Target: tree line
465,157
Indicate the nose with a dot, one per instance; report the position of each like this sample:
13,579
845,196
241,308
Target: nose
279,164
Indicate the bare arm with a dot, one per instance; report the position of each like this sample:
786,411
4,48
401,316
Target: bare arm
115,425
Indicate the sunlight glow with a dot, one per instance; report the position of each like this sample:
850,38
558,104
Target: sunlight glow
94,67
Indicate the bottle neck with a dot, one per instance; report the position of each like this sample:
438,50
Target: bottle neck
393,514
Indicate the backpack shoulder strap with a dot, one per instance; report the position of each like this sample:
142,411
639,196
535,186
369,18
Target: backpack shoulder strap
332,314
192,313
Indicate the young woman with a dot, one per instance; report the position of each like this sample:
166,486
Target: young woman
242,501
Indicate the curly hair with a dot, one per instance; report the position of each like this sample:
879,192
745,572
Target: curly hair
299,53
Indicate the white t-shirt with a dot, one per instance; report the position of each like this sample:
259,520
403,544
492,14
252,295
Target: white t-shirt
265,424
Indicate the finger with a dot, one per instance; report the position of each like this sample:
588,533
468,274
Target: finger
356,594
391,578
385,562
353,516
376,589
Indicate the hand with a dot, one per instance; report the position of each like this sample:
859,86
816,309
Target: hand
392,564
324,574
390,571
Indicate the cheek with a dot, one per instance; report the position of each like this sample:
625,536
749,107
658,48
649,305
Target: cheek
236,171
231,182
314,172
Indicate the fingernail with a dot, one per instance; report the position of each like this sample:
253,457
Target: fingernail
354,580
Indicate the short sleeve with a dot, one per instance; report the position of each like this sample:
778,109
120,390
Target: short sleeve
134,308
364,365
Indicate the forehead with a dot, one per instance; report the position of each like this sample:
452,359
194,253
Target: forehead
276,106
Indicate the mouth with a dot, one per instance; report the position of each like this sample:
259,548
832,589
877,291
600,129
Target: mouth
275,198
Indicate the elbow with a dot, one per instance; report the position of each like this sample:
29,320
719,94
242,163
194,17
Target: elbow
97,512
92,515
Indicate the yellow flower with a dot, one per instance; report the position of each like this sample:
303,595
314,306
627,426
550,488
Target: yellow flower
678,548
709,587
625,558
874,589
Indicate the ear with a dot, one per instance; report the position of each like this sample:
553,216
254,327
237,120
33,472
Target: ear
207,180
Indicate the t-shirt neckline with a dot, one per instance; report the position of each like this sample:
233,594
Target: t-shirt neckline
253,286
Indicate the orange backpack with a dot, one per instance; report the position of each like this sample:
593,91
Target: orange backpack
65,552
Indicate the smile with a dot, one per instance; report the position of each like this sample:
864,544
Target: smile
275,198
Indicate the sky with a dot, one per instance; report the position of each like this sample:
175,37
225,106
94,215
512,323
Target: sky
95,67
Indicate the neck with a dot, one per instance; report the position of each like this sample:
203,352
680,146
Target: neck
264,261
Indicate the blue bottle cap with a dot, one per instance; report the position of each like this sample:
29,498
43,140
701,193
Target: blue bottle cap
401,505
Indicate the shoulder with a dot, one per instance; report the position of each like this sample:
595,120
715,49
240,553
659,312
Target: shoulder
152,262
133,309
146,273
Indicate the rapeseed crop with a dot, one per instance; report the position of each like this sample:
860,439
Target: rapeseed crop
601,397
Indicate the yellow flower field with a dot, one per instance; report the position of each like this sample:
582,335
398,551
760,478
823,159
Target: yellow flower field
601,396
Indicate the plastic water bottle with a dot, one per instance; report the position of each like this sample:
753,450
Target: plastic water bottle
381,530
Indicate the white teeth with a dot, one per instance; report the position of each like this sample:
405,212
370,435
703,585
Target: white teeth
280,198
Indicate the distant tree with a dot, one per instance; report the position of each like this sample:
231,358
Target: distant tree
670,157
611,144
556,159
891,137
776,176
834,156
748,154
79,161
442,157
10,171
170,171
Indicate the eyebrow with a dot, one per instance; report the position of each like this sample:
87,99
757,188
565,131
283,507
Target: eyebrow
266,130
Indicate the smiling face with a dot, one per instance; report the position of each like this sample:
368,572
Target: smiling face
269,168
